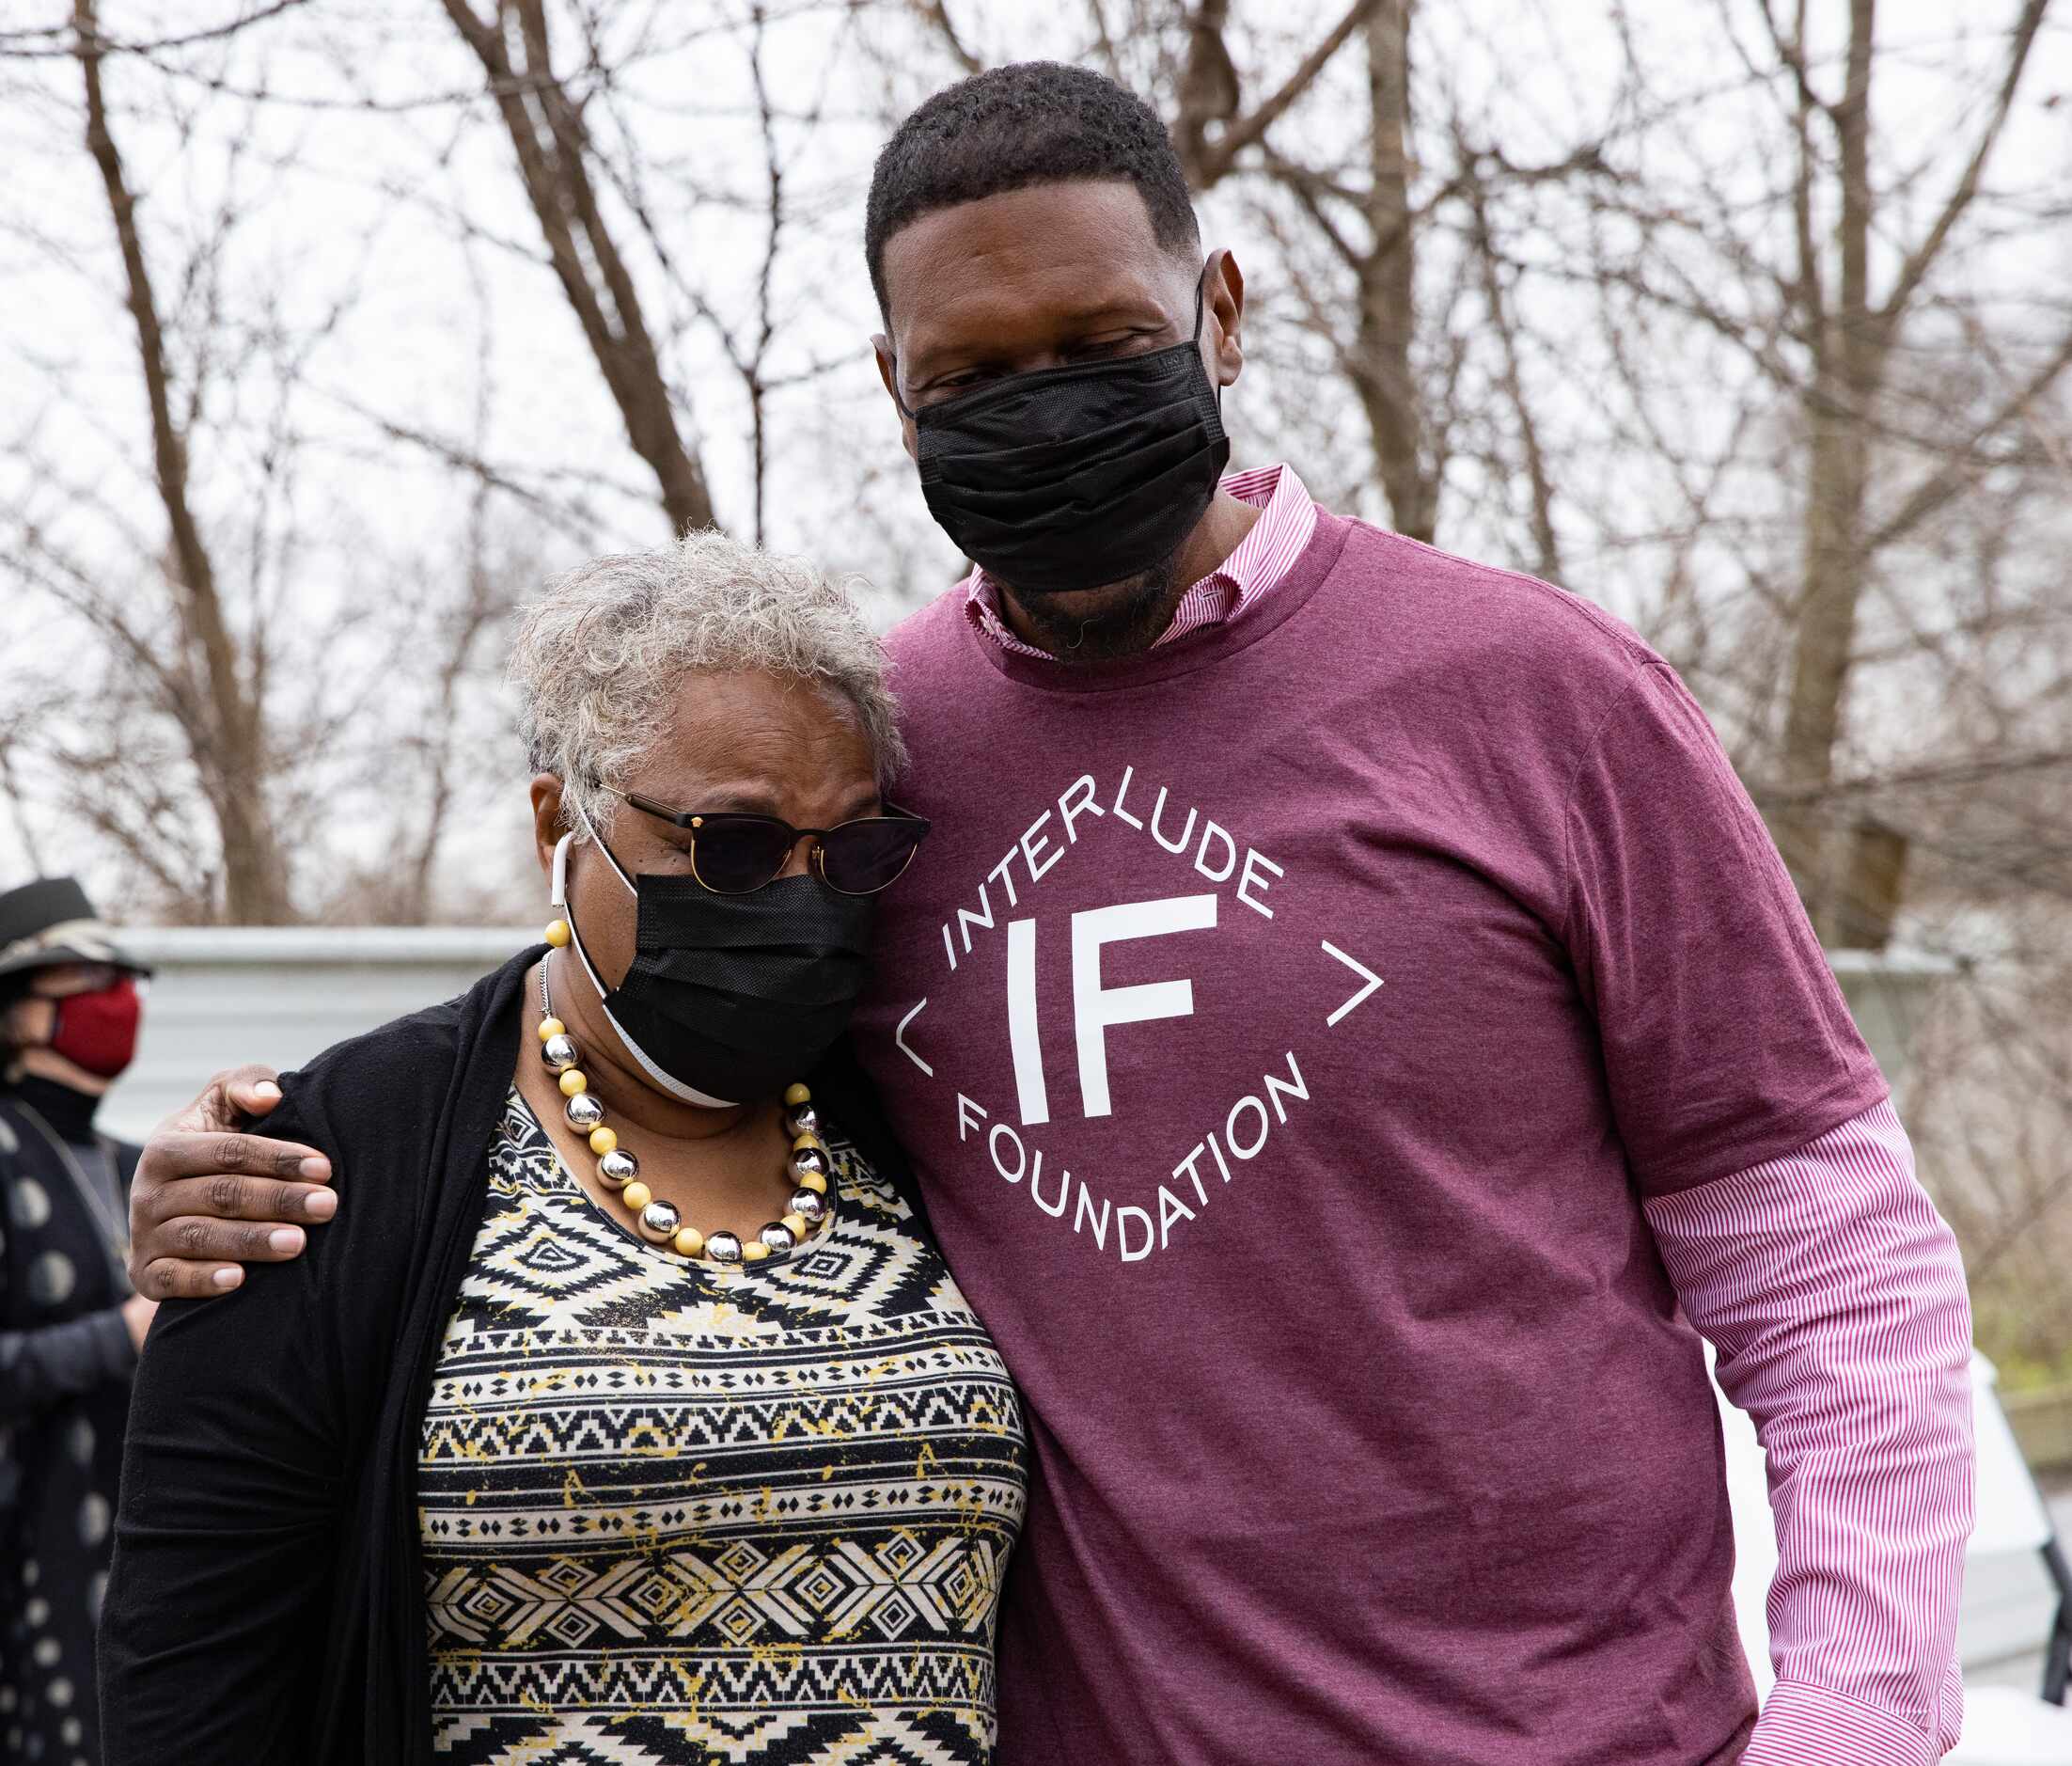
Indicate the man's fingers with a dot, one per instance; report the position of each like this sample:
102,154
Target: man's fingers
171,1157
223,1195
168,1278
226,1101
253,1097
199,1238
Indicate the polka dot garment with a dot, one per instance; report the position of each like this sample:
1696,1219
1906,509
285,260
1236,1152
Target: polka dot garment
64,1393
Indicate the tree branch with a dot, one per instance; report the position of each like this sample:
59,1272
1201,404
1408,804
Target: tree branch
1217,157
1922,259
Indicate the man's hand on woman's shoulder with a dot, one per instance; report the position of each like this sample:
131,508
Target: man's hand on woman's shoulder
210,1195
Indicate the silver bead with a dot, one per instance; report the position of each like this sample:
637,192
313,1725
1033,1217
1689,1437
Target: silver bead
778,1236
810,1205
803,1119
619,1168
659,1221
584,1112
809,1158
723,1248
560,1054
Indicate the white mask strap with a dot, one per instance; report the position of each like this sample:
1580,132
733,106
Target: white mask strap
597,840
667,1082
561,897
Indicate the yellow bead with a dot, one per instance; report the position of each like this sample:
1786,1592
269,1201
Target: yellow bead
637,1195
797,1094
549,1028
690,1243
805,1141
572,1081
754,1251
557,933
796,1226
812,1180
603,1141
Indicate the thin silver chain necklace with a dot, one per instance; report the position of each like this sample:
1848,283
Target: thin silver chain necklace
105,1208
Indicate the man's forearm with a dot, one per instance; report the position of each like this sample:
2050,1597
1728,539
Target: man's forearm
1835,1296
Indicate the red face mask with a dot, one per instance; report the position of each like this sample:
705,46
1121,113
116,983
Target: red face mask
98,1030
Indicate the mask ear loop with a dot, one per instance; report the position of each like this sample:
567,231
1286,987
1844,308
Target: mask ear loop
663,1082
1215,385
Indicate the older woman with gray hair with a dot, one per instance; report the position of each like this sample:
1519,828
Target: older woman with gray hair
628,1414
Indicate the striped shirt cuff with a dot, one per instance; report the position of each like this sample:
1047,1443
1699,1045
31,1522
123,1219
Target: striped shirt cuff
1809,1725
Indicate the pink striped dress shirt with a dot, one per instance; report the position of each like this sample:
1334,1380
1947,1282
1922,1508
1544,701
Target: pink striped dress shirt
1835,1297
1229,592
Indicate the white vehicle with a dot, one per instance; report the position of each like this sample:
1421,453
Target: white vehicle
2017,1601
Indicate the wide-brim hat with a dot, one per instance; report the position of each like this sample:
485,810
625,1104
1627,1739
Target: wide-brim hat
50,922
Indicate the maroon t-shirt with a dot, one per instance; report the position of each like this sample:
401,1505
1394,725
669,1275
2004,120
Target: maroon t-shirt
1285,1025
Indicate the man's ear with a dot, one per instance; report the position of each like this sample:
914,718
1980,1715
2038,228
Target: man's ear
1223,295
888,371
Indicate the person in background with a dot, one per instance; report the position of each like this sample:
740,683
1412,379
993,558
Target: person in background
70,1327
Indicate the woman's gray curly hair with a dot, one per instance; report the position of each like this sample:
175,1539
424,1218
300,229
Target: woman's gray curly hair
598,655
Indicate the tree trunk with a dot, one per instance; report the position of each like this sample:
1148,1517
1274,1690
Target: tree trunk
1382,371
225,727
553,146
1848,371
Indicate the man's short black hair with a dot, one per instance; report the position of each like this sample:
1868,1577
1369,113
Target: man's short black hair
1030,123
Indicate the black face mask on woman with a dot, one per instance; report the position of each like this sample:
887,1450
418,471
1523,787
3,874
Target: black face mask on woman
1070,478
731,998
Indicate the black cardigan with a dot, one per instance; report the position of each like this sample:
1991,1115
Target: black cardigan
266,1602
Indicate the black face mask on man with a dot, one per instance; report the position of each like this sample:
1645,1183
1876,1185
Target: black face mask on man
730,997
1070,478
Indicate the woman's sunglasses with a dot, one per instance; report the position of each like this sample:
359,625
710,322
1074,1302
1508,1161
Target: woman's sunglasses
733,854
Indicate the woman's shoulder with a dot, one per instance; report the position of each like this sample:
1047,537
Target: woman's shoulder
390,1073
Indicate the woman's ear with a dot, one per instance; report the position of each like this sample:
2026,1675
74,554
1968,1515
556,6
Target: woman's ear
546,819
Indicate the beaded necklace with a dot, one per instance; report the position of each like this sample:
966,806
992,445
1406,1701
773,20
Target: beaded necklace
658,1221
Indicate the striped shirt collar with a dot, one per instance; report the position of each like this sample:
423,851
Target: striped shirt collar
1251,573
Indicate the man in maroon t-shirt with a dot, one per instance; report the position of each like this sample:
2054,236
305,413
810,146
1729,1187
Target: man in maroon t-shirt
1353,1033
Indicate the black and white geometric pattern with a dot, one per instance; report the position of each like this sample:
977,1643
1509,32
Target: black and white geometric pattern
677,1514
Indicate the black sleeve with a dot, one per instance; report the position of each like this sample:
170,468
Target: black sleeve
236,1476
40,1366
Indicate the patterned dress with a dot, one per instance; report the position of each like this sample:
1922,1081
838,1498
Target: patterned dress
64,1397
674,1514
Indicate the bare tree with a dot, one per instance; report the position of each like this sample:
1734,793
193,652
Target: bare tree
211,719
217,690
1876,446
556,157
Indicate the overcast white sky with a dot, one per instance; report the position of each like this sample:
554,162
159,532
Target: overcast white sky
400,234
